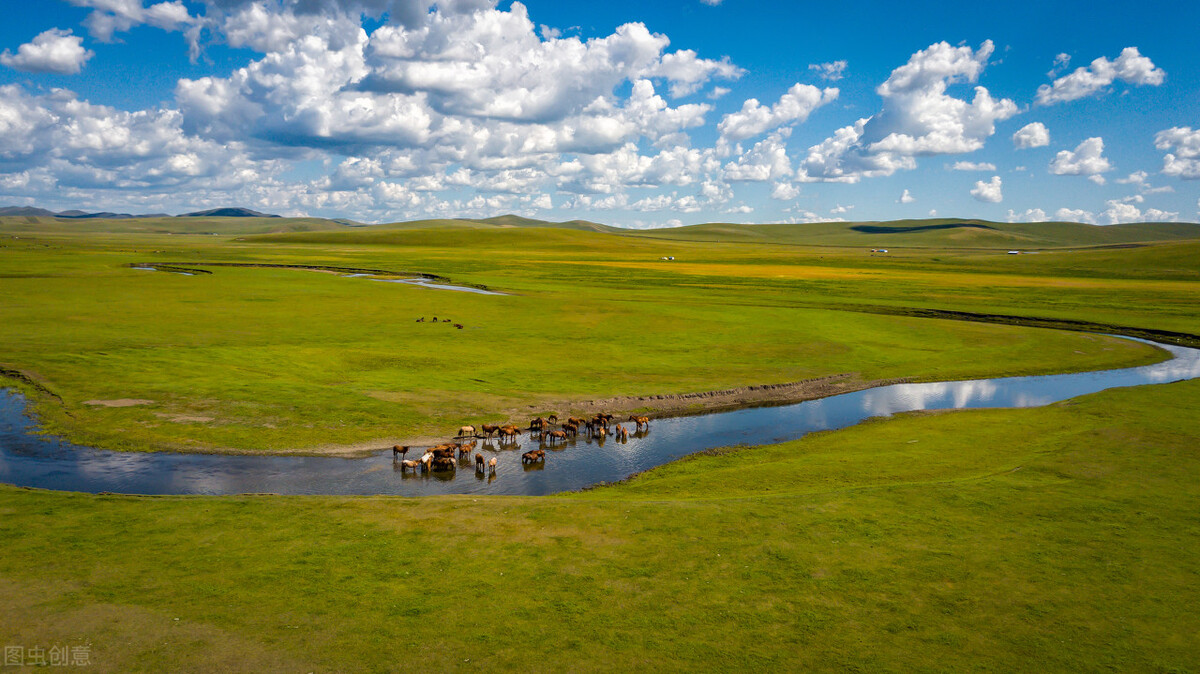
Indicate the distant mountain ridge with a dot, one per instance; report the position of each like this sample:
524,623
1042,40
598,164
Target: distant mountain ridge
228,213
75,214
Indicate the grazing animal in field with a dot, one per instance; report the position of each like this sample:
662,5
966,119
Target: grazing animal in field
410,463
399,450
445,320
640,421
533,456
458,325
435,319
444,464
421,319
479,463
464,431
492,465
489,430
621,433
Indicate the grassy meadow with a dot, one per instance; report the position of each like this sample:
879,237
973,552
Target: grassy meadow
1064,538
260,359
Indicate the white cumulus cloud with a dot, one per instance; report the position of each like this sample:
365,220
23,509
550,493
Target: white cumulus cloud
1031,135
831,71
1121,211
988,192
1183,156
1075,215
1030,215
1130,67
754,118
973,166
54,51
918,118
1087,160
906,198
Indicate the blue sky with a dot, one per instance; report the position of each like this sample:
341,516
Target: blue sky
635,114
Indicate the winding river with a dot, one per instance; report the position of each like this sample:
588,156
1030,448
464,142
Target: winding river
28,459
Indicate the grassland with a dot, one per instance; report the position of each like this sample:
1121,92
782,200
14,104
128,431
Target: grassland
255,359
1064,538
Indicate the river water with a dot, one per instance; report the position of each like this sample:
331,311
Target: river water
28,459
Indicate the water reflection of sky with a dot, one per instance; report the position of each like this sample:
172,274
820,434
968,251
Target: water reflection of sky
32,460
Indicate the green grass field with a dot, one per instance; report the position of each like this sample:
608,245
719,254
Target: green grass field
257,359
1063,538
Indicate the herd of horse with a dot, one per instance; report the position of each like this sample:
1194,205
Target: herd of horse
443,457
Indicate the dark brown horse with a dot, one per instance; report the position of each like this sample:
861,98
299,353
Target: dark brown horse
399,450
533,456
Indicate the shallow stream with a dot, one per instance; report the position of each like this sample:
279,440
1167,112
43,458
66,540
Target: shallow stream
28,459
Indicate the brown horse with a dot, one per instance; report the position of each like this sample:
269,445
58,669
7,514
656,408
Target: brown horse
621,433
577,421
489,430
444,464
464,431
571,430
553,436
509,434
479,463
533,456
409,463
399,450
640,421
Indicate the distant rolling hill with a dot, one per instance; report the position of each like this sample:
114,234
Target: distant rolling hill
228,213
499,221
934,233
223,226
928,233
